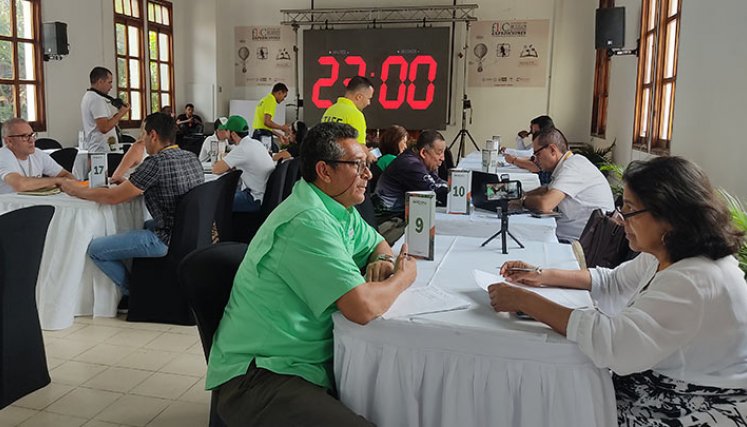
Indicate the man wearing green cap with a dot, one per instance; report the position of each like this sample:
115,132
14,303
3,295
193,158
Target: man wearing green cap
252,159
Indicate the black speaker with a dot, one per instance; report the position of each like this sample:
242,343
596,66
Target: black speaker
610,28
54,38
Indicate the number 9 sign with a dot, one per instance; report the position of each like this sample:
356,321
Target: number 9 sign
420,213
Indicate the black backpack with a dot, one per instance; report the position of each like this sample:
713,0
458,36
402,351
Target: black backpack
604,242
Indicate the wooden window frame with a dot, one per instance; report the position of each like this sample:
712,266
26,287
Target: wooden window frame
40,124
601,85
159,28
138,23
647,133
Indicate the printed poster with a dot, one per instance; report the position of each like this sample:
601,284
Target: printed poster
264,55
509,53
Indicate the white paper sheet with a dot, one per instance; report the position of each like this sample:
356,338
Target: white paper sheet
426,299
571,298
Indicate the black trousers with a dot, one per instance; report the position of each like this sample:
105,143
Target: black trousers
264,398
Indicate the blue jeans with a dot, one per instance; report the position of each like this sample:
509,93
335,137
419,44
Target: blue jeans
243,201
108,253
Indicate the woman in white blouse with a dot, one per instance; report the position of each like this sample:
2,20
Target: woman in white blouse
671,323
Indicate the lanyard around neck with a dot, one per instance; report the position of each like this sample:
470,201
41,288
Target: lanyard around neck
23,171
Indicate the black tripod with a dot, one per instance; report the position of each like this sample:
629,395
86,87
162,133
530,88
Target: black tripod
503,213
466,105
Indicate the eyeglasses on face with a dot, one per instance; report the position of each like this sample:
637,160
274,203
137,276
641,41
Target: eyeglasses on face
534,155
24,136
627,215
361,165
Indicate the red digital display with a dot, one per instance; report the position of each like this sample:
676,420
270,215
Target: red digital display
408,67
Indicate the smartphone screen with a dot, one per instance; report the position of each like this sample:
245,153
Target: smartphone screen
506,190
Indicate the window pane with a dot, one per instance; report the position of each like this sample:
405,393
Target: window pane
7,103
6,60
136,8
673,7
151,14
644,113
126,99
652,13
666,111
165,16
121,72
24,19
121,39
26,69
127,8
648,70
135,106
166,100
153,44
154,105
29,110
165,77
5,18
134,74
154,76
158,14
133,34
670,51
118,6
163,47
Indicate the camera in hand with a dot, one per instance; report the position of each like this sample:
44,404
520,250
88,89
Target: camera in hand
116,102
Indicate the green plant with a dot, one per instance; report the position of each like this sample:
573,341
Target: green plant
615,172
598,156
739,218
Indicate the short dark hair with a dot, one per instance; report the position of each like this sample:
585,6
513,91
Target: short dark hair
357,83
323,143
163,124
280,87
551,136
166,108
189,105
678,192
427,138
390,138
98,73
544,122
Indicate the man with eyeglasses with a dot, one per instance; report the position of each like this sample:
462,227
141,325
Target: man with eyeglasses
518,157
251,158
22,166
271,359
576,188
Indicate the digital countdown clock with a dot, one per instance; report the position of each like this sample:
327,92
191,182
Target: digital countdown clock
408,67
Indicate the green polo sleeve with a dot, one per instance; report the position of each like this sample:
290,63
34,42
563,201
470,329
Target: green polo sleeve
366,239
320,268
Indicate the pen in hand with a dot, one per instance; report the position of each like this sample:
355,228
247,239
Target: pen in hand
531,270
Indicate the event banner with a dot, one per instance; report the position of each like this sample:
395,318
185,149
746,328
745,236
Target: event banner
264,55
509,53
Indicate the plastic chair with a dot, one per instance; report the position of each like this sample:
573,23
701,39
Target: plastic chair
65,157
154,293
292,175
112,162
23,363
47,144
227,185
126,139
245,225
206,277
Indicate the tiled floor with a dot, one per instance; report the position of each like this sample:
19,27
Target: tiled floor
108,372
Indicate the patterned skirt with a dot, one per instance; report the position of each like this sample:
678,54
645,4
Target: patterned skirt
653,400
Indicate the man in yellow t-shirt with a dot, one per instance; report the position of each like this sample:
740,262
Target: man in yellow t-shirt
349,108
263,124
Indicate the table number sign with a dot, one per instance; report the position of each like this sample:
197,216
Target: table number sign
420,215
490,161
98,175
460,192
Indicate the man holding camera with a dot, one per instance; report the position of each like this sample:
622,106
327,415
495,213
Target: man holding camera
98,121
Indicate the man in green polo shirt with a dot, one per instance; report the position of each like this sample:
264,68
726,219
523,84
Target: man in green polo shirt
271,358
349,108
263,124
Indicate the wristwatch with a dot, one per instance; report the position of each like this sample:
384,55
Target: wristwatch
385,257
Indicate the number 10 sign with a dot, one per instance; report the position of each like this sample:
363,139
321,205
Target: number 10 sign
420,214
460,194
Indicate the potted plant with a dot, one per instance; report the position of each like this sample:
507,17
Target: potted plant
739,217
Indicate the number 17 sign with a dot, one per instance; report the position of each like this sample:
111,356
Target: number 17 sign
420,214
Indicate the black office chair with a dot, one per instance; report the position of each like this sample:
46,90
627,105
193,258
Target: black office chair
23,363
448,163
65,157
154,293
47,144
112,162
227,186
246,225
292,176
126,139
206,278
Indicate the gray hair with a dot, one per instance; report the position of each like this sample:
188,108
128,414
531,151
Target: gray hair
10,123
322,144
552,136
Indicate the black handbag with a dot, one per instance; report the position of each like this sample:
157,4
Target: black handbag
604,242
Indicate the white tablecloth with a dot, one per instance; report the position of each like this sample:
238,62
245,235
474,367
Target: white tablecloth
69,284
471,367
484,224
529,180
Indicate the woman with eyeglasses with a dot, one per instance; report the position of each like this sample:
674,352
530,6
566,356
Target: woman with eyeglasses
671,324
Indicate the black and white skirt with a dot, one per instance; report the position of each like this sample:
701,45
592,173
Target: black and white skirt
654,400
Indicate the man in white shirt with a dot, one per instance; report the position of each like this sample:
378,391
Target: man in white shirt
220,136
98,121
22,166
252,158
576,188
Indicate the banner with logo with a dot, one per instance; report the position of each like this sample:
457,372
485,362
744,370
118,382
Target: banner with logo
263,55
509,53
